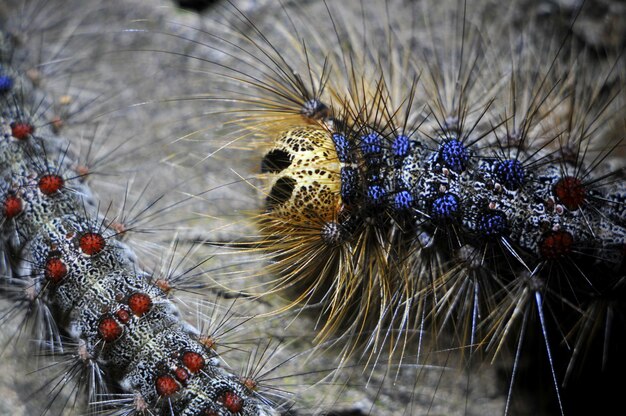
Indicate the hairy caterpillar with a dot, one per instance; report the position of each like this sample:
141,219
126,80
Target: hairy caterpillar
440,181
367,107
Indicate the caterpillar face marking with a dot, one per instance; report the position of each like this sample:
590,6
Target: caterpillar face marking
307,173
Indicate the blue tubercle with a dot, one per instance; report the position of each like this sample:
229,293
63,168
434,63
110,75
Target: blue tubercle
342,147
400,146
349,185
510,173
371,144
454,155
403,200
6,84
376,194
492,224
445,208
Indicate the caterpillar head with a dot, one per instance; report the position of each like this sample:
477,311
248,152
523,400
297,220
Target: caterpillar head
304,176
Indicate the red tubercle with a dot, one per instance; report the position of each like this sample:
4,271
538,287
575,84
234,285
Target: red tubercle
123,315
208,342
118,227
556,244
181,375
57,124
109,329
91,243
570,192
250,383
82,170
55,270
139,303
21,130
12,206
50,184
231,401
164,285
166,385
193,361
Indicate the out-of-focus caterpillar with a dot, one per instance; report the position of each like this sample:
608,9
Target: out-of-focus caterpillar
430,168
115,340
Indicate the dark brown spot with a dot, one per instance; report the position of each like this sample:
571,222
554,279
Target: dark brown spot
556,245
570,192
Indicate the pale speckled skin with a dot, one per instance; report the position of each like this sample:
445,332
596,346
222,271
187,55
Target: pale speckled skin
97,285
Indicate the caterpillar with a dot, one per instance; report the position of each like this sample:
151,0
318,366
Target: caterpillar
349,89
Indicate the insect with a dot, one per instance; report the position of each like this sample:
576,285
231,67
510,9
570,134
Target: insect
397,180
